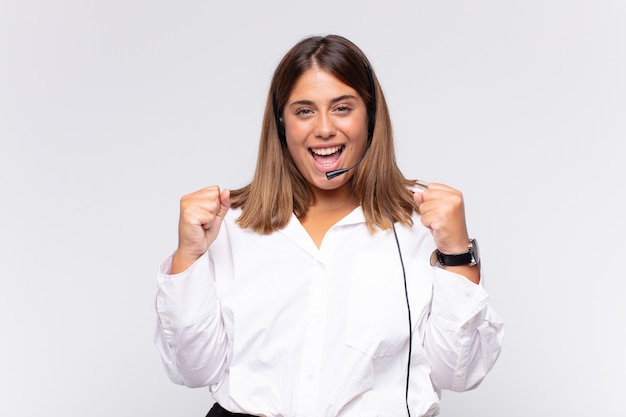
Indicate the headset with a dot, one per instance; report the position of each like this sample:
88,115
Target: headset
371,123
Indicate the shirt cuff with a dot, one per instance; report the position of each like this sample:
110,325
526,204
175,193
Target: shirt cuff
458,303
186,298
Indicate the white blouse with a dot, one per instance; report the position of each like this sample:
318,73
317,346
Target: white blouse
277,327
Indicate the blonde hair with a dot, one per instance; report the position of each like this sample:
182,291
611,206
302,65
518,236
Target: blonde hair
278,189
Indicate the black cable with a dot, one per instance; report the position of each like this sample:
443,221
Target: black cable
408,307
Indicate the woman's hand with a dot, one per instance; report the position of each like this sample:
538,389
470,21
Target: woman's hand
443,212
201,215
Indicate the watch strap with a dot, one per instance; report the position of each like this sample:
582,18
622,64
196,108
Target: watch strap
470,257
454,260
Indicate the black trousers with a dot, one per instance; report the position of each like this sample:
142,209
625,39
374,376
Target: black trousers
218,411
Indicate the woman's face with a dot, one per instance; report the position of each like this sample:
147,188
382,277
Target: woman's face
325,126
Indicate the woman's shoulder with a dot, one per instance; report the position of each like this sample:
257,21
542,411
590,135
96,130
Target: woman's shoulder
232,214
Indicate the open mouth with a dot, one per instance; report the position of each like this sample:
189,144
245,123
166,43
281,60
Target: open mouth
327,157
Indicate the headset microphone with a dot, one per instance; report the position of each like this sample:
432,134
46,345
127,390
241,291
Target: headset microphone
337,172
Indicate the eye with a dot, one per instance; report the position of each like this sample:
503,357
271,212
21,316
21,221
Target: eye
304,112
343,108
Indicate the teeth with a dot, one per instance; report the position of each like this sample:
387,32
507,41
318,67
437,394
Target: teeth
326,151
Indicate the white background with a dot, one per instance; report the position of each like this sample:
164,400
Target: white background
111,110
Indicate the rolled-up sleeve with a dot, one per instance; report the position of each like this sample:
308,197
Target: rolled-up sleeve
464,336
190,333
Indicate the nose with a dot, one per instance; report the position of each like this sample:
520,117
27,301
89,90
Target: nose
324,127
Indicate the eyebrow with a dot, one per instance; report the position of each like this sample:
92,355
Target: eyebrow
333,101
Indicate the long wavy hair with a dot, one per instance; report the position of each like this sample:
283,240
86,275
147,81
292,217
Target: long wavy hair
278,189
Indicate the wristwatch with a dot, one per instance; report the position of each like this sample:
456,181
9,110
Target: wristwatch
471,257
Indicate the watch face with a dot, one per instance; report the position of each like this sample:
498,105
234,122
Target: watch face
473,248
434,259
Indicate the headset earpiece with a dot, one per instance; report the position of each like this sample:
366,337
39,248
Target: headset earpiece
280,123
280,127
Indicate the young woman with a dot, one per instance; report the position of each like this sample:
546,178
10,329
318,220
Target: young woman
330,285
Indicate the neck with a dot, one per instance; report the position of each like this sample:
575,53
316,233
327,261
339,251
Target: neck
341,198
329,207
